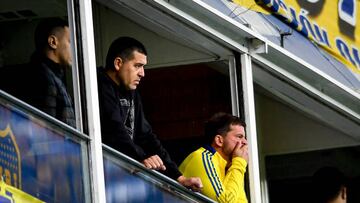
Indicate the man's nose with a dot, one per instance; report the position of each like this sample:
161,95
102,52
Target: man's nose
142,72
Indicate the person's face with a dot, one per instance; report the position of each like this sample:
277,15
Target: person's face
130,72
235,135
63,49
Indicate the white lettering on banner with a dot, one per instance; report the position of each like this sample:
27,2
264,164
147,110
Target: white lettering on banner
305,26
347,11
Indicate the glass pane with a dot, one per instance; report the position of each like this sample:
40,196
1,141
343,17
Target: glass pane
36,71
294,145
127,181
43,160
291,175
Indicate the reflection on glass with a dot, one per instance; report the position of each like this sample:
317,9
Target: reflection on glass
35,61
39,160
292,175
124,185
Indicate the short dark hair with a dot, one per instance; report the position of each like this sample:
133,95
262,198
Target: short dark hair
45,28
123,47
219,124
327,183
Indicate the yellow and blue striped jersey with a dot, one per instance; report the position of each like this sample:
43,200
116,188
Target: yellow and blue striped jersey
218,184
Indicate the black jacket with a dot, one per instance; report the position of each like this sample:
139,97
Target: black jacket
41,84
49,93
114,133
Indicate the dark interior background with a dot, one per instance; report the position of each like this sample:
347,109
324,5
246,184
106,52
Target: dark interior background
178,100
289,175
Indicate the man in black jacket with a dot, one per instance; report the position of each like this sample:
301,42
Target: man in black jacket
43,79
51,58
123,124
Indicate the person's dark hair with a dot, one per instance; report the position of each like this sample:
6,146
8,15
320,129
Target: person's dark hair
327,183
219,124
45,28
123,47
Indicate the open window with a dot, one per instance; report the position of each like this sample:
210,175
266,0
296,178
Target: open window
186,80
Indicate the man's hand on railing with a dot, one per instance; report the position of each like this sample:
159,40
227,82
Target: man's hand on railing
194,183
154,162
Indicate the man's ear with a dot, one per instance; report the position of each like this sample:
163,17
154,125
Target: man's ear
218,140
118,63
52,41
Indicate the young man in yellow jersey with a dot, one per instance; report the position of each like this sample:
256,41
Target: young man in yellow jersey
221,164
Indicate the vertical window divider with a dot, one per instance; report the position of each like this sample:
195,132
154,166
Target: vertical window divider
251,135
91,99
